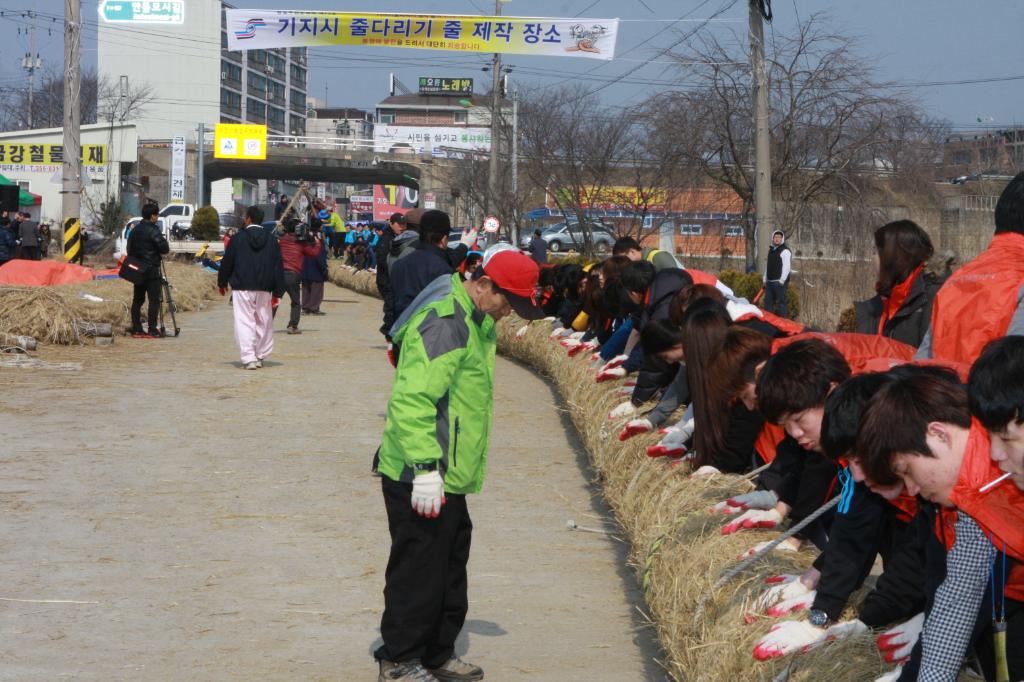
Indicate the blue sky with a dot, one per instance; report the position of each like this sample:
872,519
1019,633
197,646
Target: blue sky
911,42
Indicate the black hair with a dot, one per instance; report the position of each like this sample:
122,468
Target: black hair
798,377
843,410
659,336
434,226
995,389
255,214
624,245
149,210
634,278
547,277
567,280
537,232
1010,207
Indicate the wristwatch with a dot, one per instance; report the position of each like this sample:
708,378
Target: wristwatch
418,468
818,618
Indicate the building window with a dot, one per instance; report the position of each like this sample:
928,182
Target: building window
298,101
733,230
257,57
461,117
276,66
231,75
275,93
275,118
256,85
298,55
255,111
387,118
691,230
230,102
298,75
297,125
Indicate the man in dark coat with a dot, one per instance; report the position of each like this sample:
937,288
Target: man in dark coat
431,258
28,233
314,274
8,242
538,248
147,243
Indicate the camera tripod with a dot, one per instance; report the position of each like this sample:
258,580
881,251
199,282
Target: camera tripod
165,287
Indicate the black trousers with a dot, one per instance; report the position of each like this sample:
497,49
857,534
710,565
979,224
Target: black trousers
293,286
30,252
150,289
425,590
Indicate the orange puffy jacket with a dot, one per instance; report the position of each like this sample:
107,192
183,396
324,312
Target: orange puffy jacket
977,302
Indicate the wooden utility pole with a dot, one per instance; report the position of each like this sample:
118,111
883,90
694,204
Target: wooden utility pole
71,176
762,144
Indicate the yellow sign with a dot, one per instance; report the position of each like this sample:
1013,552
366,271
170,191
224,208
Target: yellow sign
239,141
28,154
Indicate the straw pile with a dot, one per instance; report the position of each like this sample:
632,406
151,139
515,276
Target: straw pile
54,314
677,548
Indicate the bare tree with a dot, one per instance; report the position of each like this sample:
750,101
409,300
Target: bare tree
119,101
826,113
48,102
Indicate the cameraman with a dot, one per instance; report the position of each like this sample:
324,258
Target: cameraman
296,245
147,243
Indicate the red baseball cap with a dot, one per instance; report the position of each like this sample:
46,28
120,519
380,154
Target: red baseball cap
515,274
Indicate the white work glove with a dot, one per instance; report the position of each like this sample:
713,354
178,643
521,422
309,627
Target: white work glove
799,635
572,339
897,643
672,444
785,638
611,374
557,332
562,332
753,518
428,494
614,362
634,427
756,499
783,587
891,676
624,409
521,332
787,545
706,471
582,347
549,318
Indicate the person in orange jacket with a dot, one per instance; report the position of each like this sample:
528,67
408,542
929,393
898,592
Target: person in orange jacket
919,429
984,299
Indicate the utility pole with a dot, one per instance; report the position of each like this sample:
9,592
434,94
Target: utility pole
515,168
31,63
71,167
492,166
762,146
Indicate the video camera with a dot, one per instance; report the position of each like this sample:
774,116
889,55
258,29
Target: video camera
300,229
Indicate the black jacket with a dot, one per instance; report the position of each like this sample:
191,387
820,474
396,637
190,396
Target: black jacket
147,243
737,454
654,373
8,244
539,250
805,480
253,262
910,323
411,274
869,527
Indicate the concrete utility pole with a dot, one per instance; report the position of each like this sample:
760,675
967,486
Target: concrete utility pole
31,63
492,166
515,167
200,141
71,168
762,150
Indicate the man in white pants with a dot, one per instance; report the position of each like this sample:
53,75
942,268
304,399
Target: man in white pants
253,268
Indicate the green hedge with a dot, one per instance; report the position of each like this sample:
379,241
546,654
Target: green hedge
746,285
206,224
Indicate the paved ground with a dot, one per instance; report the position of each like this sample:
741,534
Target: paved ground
168,516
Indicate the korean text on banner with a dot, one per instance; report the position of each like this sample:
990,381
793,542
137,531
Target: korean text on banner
177,170
239,141
251,29
26,154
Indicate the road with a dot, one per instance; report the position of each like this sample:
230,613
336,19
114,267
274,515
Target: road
168,516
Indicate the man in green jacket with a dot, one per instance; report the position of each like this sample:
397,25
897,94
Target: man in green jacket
434,452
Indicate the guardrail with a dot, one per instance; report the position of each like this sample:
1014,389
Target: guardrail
319,142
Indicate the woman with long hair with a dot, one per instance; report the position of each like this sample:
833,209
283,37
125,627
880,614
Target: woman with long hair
902,308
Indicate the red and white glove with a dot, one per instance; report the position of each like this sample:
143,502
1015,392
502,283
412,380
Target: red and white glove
799,635
521,332
561,333
786,638
622,410
274,300
584,347
469,237
706,471
222,290
635,427
897,643
891,676
753,518
787,545
611,374
428,494
783,587
572,339
391,355
672,444
756,499
614,362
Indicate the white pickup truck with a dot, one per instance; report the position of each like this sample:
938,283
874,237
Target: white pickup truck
190,246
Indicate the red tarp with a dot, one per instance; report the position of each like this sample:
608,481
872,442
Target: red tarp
42,273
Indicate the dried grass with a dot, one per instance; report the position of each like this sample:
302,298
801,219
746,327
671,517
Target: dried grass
53,314
676,547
